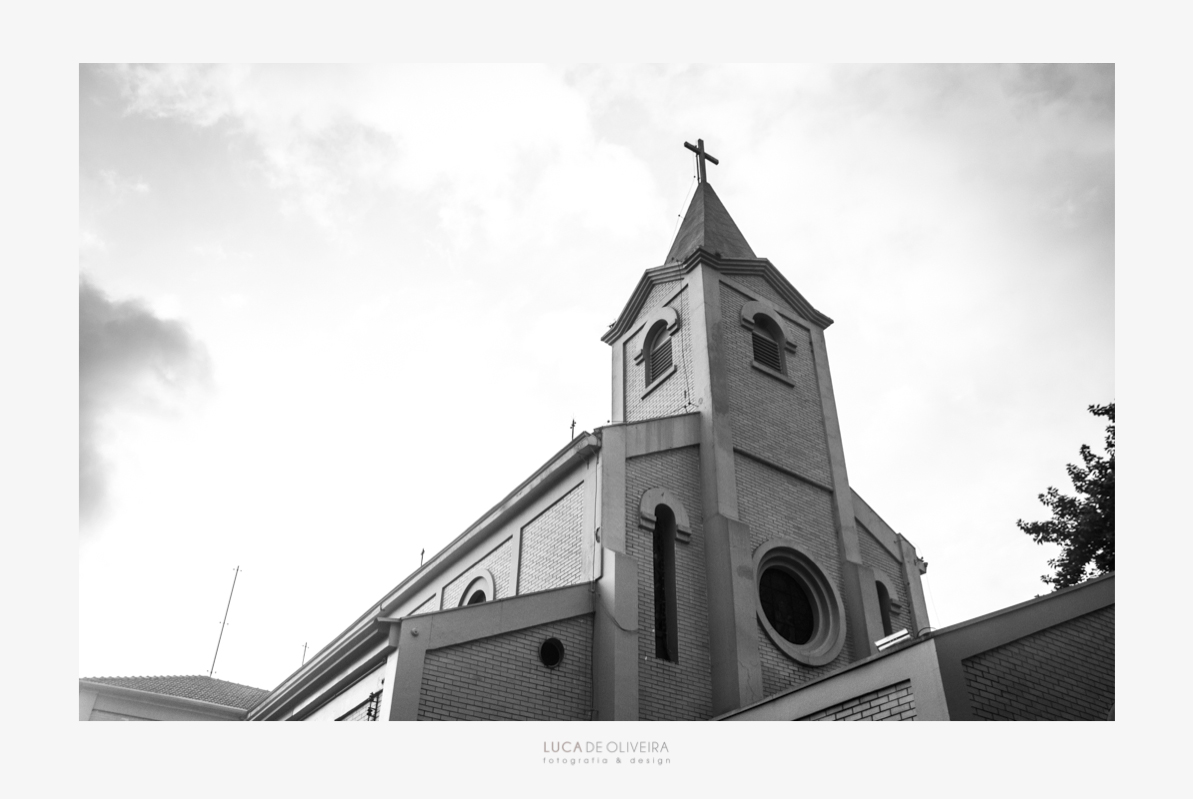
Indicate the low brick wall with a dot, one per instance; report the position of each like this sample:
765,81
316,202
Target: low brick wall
501,677
1064,672
893,703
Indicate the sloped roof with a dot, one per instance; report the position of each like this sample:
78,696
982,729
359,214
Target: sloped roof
204,689
707,224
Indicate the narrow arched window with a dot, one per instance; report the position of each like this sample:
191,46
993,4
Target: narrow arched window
768,343
666,634
480,588
658,352
884,607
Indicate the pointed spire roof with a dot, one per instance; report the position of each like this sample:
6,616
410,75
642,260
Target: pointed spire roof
707,224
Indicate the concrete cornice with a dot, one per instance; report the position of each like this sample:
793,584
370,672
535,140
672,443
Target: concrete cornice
1028,617
459,625
369,630
726,266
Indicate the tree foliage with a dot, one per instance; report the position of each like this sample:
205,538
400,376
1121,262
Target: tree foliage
1083,525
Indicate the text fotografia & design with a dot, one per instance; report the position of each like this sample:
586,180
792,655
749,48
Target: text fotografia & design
606,752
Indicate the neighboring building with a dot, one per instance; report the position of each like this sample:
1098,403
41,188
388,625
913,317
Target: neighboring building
1048,659
189,698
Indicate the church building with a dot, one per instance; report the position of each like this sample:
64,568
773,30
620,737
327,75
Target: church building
702,552
703,556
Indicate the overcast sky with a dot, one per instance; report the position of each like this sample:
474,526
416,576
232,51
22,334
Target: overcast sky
329,316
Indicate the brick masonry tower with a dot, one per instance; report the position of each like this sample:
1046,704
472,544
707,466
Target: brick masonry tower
724,415
701,553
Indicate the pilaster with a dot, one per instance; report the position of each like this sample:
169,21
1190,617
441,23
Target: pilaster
615,621
915,588
733,630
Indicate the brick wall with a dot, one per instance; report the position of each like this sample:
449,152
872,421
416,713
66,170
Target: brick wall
758,285
552,546
771,419
876,556
776,505
1064,672
683,689
498,561
501,677
893,703
673,395
429,605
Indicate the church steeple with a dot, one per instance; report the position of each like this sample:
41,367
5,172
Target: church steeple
707,223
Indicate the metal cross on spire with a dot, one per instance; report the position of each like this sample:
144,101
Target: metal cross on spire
701,157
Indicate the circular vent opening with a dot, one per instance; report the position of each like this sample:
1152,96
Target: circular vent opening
798,607
551,652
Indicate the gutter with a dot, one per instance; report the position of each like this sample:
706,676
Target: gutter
170,700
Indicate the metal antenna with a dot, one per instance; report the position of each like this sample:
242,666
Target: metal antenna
420,558
224,623
573,428
304,654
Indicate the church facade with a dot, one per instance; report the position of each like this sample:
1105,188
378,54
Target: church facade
701,553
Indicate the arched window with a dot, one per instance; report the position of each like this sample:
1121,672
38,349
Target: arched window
658,352
888,602
664,517
666,634
768,343
884,607
480,589
656,356
769,340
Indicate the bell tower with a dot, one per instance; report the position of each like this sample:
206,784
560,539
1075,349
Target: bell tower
718,335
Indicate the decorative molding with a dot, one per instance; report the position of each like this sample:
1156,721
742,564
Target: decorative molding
651,499
661,314
726,266
828,637
767,308
481,580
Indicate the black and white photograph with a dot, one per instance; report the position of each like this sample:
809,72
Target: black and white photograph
596,393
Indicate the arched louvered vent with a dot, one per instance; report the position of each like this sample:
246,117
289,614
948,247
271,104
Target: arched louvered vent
766,351
660,358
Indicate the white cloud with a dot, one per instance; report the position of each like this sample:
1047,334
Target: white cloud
89,241
120,186
467,138
235,302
